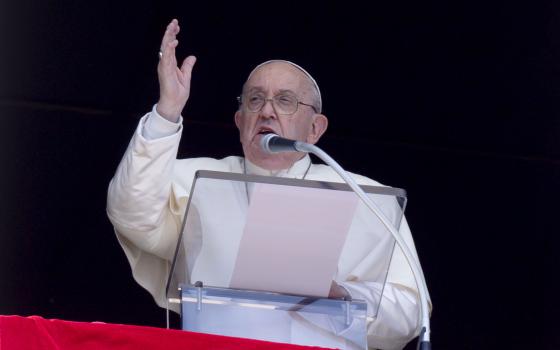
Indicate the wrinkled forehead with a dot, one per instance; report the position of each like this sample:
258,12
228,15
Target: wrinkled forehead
283,69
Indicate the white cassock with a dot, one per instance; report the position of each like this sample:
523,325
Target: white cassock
146,203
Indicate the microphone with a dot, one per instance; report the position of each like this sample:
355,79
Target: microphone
272,143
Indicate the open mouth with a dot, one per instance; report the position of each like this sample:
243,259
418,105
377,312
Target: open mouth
264,131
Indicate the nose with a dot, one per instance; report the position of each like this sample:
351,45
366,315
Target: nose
268,110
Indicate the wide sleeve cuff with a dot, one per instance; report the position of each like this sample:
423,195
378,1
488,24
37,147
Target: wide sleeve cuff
157,126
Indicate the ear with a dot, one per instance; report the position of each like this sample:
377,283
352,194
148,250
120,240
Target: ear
319,125
237,119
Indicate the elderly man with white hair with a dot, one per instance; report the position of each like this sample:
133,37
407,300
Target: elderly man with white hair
148,194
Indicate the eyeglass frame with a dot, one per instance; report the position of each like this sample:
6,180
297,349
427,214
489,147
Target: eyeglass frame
240,101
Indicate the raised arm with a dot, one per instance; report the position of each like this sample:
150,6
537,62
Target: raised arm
140,190
138,202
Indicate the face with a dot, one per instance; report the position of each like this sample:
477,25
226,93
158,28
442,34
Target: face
304,125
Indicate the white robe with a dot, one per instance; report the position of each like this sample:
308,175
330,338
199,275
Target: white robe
147,199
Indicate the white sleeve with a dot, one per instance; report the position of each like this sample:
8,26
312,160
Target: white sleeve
139,193
157,126
397,320
138,204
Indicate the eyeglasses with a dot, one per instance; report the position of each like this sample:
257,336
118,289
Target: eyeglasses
283,103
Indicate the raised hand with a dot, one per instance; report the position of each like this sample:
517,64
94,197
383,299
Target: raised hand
174,82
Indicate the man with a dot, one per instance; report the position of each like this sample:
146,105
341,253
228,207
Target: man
148,195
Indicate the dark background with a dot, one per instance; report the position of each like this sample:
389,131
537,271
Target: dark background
457,102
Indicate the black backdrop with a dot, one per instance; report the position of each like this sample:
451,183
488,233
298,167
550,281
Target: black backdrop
457,102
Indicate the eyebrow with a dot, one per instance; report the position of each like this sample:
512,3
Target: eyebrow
260,89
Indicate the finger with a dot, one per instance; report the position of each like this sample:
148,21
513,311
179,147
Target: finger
168,63
170,34
168,53
168,37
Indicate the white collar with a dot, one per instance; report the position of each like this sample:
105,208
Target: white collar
298,170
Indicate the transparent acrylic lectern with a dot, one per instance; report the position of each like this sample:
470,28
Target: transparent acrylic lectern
256,257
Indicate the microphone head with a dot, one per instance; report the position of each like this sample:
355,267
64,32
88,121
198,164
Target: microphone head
265,142
272,143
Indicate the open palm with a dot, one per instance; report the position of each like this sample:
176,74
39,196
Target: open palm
174,81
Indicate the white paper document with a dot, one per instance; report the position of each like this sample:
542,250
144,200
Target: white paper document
292,240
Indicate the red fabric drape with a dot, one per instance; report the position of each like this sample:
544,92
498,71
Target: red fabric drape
34,332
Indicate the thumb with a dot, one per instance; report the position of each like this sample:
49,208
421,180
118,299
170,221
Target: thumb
187,66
